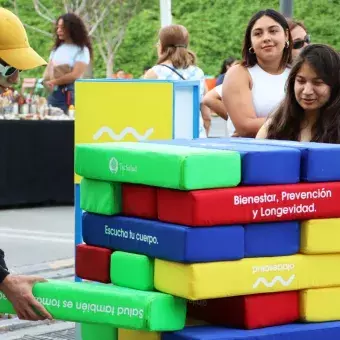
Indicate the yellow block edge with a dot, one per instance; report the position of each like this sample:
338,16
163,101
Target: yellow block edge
320,236
320,305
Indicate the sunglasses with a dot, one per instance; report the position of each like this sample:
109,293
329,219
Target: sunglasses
7,70
297,44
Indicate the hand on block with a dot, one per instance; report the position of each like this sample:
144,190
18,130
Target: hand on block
108,305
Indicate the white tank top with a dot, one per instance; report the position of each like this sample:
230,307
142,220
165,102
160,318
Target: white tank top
268,91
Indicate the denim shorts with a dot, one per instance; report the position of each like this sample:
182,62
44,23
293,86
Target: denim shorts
62,97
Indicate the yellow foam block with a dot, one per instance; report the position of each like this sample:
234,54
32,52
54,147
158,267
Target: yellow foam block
129,334
247,276
320,236
320,305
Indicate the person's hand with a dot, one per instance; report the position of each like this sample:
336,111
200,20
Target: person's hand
18,290
50,84
235,134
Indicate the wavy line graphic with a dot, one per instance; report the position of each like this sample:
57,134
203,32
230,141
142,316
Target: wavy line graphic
123,133
274,281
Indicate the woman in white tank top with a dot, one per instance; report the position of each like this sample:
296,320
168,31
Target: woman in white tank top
255,88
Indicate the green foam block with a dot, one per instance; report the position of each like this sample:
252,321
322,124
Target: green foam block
168,166
132,271
100,197
94,332
109,305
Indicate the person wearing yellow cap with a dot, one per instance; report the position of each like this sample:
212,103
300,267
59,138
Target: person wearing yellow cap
17,55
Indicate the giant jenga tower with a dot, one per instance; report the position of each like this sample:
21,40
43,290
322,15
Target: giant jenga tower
215,239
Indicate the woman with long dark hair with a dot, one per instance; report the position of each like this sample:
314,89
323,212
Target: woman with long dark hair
255,87
310,110
69,59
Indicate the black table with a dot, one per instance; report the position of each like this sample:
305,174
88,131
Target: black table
36,163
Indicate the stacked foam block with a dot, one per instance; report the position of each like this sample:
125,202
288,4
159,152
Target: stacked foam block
225,238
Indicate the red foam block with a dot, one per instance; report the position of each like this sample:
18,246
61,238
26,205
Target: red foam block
93,263
248,312
249,204
139,201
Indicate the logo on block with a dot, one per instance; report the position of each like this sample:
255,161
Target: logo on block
113,165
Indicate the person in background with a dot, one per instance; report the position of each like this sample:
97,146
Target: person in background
213,100
69,59
146,69
177,62
227,63
310,111
120,74
300,36
256,86
16,55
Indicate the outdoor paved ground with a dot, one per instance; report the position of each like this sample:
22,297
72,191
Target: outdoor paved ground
38,241
32,236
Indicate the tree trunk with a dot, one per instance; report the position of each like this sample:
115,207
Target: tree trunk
109,67
89,72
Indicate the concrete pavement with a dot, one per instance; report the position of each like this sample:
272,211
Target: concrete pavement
38,241
36,235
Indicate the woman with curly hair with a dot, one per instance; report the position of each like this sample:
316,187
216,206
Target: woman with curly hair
69,59
310,111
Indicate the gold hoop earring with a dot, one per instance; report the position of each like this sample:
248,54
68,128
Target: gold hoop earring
251,50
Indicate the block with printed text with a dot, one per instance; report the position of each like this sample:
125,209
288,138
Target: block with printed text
98,303
198,281
164,240
249,204
167,166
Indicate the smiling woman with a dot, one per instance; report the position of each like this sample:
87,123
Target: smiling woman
254,88
311,108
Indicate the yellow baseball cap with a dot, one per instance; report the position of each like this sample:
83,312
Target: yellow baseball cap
15,49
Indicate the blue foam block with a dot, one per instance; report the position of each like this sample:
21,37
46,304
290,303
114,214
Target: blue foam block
315,331
271,239
320,162
163,240
261,165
